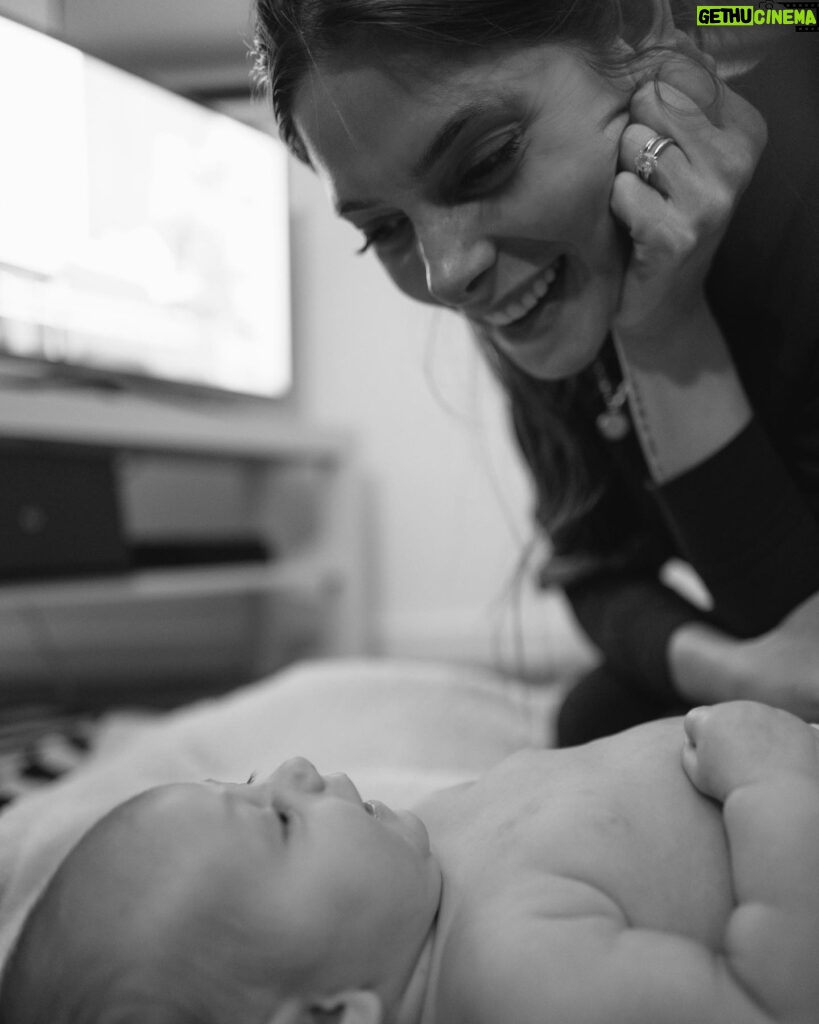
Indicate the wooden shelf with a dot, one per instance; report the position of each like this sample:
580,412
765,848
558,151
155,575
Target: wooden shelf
303,574
218,427
206,469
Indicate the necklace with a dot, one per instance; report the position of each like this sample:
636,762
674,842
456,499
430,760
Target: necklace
613,423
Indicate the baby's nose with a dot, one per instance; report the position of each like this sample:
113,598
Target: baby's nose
342,786
301,774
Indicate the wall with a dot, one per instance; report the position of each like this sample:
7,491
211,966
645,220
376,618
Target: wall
447,500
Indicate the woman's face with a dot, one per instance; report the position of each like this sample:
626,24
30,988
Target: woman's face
484,188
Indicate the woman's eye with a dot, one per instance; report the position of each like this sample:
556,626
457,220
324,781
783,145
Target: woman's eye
491,170
285,820
388,232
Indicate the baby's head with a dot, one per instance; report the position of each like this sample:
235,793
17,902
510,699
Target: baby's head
277,901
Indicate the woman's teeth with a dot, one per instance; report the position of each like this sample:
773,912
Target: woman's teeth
526,303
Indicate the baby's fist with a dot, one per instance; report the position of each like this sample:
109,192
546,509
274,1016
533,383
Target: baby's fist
741,742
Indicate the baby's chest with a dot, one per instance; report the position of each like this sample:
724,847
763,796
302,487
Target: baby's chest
530,838
660,869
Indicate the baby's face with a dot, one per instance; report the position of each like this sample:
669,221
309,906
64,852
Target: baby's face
326,886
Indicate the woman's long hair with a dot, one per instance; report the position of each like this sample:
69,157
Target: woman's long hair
291,37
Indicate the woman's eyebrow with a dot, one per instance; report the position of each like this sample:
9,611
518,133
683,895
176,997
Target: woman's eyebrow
446,135
449,132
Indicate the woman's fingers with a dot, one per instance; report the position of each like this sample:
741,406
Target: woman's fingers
704,170
642,209
729,139
693,79
677,210
672,112
668,166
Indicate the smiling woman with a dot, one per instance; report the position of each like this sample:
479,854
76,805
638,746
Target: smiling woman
505,215
585,183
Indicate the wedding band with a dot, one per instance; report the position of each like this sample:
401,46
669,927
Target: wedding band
645,163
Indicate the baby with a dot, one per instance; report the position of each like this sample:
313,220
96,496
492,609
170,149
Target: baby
667,874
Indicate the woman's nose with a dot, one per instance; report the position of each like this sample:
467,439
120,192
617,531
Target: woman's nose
457,261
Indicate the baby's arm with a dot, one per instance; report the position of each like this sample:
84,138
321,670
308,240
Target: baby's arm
762,764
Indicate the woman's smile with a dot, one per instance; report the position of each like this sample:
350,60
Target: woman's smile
497,205
514,311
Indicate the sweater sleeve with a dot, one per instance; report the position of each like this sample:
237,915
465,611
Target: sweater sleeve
741,522
631,619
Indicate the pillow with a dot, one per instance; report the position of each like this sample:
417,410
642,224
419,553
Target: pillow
400,729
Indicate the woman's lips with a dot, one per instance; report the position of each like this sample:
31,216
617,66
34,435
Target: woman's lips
539,316
520,307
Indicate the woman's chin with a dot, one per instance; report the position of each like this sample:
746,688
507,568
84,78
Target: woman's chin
563,335
558,353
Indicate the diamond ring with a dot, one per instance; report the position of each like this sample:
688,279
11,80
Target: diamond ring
645,163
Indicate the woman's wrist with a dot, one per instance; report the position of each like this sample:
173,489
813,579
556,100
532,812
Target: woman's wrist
684,392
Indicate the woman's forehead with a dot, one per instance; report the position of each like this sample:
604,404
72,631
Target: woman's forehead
360,121
353,90
360,109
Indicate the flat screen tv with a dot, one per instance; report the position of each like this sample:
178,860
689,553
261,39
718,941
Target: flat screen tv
142,236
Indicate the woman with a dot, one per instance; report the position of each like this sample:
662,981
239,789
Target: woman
601,206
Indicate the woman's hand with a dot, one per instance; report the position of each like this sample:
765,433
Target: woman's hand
780,667
685,395
677,219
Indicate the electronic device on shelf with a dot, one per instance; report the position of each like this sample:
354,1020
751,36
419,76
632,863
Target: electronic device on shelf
144,237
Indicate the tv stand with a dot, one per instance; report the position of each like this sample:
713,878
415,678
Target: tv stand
207,477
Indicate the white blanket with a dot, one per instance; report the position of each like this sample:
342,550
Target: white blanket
399,729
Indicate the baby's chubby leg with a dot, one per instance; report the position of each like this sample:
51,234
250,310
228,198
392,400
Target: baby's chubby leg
762,764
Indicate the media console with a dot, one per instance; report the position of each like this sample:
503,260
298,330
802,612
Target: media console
242,545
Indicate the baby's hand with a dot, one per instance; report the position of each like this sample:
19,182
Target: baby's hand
741,742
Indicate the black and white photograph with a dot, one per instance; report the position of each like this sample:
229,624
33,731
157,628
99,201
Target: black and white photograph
409,512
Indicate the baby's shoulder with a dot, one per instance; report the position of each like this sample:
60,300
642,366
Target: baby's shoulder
507,958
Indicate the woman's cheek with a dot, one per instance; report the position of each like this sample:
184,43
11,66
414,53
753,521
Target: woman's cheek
409,275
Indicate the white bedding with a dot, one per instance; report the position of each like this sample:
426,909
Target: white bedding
398,728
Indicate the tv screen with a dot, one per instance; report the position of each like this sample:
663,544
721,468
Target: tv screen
141,235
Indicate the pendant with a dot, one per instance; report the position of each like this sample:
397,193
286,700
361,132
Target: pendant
613,424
